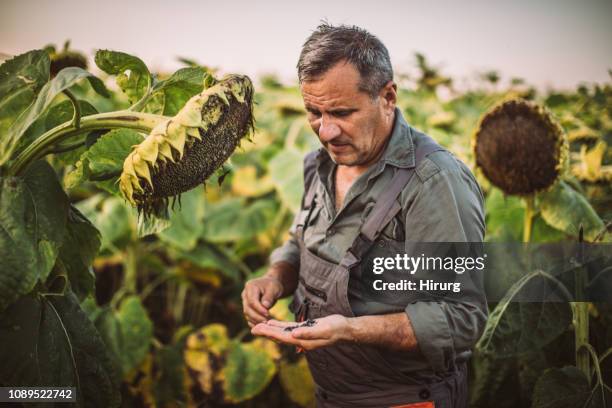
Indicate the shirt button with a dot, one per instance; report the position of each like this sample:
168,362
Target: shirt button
330,232
424,393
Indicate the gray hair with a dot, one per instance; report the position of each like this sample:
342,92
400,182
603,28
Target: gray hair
328,45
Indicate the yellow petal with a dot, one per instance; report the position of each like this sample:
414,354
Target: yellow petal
190,114
195,133
223,97
176,136
128,167
148,149
142,169
126,188
165,151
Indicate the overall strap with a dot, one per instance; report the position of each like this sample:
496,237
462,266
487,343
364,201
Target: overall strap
387,206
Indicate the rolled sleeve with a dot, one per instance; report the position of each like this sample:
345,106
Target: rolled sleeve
434,337
448,208
445,329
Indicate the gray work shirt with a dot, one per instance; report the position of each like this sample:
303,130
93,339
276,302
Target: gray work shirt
441,203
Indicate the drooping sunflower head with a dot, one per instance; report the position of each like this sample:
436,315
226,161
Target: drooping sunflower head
67,59
182,152
519,147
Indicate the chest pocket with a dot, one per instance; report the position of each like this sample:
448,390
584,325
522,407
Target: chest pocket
393,231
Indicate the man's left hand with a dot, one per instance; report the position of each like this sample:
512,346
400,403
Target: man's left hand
325,332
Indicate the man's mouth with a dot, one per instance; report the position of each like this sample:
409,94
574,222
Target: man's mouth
339,147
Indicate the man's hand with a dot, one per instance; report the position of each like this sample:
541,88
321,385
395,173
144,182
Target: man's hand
258,296
324,332
392,331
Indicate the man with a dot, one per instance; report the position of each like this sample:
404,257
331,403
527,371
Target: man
377,186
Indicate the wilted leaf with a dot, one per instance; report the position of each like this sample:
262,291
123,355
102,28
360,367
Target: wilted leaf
49,211
267,345
565,209
104,159
65,79
31,230
229,220
211,339
565,387
186,221
246,373
245,182
177,89
517,326
286,172
297,382
137,332
18,250
21,79
197,360
133,76
78,251
504,217
112,218
590,167
169,387
211,260
64,112
127,332
51,342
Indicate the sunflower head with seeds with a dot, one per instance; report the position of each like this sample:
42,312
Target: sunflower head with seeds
183,151
520,148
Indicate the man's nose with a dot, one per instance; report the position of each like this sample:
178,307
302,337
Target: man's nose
328,130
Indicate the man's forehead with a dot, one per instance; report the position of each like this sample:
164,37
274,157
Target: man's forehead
337,86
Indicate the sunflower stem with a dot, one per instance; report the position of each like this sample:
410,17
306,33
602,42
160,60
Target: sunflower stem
528,221
76,119
144,122
581,312
130,266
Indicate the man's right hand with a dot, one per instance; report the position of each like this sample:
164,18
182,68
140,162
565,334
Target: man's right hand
258,296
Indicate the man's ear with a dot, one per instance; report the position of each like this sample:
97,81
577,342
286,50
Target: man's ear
388,95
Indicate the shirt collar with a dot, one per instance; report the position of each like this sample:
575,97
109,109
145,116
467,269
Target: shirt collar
399,151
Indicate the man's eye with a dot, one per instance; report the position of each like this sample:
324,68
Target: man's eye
342,114
314,113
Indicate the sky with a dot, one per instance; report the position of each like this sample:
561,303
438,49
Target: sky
550,43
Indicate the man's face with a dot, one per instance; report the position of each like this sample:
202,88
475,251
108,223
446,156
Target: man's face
351,126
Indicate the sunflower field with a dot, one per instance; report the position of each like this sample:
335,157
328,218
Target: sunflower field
126,235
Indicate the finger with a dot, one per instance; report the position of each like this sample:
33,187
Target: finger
268,299
280,323
250,308
308,333
251,323
274,333
252,315
253,299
